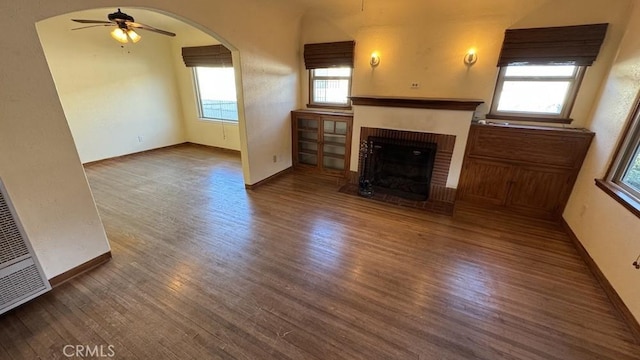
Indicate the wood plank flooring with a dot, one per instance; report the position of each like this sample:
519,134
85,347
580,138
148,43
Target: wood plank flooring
204,269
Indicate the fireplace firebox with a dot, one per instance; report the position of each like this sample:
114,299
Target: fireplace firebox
397,167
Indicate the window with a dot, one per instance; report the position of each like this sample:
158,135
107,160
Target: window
330,86
215,82
623,179
216,93
330,66
541,70
543,91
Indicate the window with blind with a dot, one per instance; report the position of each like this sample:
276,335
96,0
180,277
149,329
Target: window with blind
214,79
330,68
541,71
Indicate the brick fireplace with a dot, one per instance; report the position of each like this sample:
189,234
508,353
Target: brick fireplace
441,124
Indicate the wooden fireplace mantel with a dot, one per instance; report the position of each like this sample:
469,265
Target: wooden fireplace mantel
419,103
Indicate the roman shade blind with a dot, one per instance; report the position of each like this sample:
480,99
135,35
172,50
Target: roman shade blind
210,56
577,45
326,55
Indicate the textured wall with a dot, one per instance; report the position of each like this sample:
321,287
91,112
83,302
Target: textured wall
425,42
607,230
117,100
38,160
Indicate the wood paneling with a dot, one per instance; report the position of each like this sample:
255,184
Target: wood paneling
490,181
417,103
534,145
528,170
203,269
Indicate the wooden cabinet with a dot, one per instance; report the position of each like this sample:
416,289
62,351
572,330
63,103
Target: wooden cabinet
524,170
322,141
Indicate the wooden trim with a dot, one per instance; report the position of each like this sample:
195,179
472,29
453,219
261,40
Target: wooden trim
419,103
354,177
80,269
566,131
337,107
323,112
216,148
616,301
530,118
619,195
270,178
91,163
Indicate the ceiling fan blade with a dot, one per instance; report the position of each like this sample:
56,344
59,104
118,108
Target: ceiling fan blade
92,21
90,26
150,28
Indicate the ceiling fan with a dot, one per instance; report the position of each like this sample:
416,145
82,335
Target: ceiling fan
125,27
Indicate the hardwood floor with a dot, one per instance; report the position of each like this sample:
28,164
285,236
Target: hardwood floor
203,268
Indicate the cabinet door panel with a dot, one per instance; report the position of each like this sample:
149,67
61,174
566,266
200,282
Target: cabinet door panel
306,139
321,141
485,182
539,191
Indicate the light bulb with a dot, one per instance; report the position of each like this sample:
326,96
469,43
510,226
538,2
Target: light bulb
375,59
133,36
470,57
119,35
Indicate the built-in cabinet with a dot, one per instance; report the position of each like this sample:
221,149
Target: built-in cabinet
322,141
522,170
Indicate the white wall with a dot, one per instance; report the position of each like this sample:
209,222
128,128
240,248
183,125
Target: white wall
446,122
425,42
38,159
222,134
118,99
608,231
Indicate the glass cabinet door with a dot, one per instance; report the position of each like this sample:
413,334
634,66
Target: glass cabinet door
307,141
334,144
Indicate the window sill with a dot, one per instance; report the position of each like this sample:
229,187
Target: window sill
619,195
530,118
219,120
329,106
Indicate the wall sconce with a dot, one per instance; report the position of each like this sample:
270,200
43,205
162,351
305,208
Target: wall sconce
375,59
470,57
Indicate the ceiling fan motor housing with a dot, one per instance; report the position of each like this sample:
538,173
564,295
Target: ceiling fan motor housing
120,17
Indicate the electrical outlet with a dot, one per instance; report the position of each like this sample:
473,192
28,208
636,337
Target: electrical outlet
415,85
139,138
275,158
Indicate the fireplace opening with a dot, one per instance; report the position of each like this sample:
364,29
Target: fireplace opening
397,167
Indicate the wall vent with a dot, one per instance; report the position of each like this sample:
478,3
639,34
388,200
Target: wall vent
21,276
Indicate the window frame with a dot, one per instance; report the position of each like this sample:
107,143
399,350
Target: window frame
196,83
316,104
574,85
629,145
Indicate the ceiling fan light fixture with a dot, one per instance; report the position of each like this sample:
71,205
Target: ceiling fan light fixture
133,36
120,36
